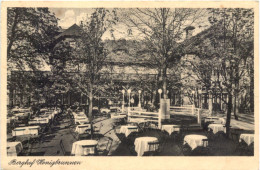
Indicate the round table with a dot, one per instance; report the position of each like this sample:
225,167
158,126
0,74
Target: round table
194,140
84,147
128,129
28,130
171,128
14,148
217,120
118,116
81,120
217,128
248,138
141,144
80,129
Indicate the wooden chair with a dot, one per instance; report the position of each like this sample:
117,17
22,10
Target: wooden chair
120,136
186,149
244,150
154,148
104,152
141,127
90,147
235,133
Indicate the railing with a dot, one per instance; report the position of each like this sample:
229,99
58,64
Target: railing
189,110
149,116
185,110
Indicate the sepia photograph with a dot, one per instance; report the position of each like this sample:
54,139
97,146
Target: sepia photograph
130,82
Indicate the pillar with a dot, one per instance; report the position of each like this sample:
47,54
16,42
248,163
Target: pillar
210,104
199,116
165,109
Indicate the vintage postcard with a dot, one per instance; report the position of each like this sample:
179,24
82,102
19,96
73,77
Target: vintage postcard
129,85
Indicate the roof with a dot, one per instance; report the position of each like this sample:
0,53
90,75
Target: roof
72,31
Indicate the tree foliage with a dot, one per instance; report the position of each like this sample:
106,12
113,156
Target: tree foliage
29,34
226,53
161,30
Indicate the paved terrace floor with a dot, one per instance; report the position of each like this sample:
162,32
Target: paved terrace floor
50,146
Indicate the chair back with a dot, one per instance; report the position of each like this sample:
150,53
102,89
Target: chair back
88,148
205,142
153,146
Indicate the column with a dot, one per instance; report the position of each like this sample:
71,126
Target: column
210,104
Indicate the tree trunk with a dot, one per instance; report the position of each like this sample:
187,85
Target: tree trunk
235,107
164,82
251,92
229,110
90,107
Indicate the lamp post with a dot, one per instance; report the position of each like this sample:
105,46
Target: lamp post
123,103
160,92
200,99
129,94
210,102
139,104
128,110
193,95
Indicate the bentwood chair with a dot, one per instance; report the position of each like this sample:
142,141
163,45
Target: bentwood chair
120,136
88,148
154,148
105,151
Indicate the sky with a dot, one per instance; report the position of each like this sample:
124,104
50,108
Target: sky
69,16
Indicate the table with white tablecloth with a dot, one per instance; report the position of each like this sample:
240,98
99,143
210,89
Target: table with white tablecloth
81,120
216,120
171,128
80,148
248,138
38,120
128,129
49,116
80,129
79,116
28,130
141,144
137,120
117,116
195,140
14,148
217,128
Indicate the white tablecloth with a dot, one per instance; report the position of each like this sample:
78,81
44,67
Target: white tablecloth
14,148
194,140
79,116
21,114
128,129
118,116
48,116
248,138
80,129
39,121
137,120
171,128
82,121
79,150
217,128
217,120
141,144
29,130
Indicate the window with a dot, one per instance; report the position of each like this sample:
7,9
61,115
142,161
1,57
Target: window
73,44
